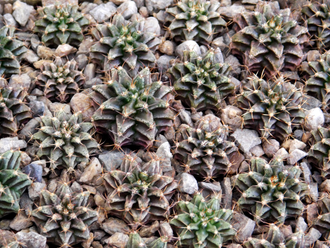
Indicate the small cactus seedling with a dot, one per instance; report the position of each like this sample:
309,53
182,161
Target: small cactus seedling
200,81
196,20
270,191
61,24
203,223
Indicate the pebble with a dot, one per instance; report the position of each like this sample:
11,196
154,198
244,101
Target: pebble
236,159
325,186
311,237
231,116
165,156
235,65
52,2
313,193
243,225
35,189
231,11
188,45
151,25
111,160
64,50
82,61
270,147
311,213
257,151
118,2
82,102
187,183
166,229
164,63
314,118
127,9
227,193
306,172
85,45
209,189
103,12
9,20
31,239
93,169
295,156
22,12
37,108
34,171
20,222
40,63
8,8
301,224
293,144
143,11
114,225
11,143
281,154
54,107
148,231
45,52
89,72
156,5
118,240
167,47
20,81
30,56
246,139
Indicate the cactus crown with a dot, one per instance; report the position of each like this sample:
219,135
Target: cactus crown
203,223
273,106
132,110
270,191
59,80
65,139
201,81
196,20
61,24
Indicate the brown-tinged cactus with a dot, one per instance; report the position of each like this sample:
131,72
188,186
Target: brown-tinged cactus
135,241
13,182
274,107
203,149
269,39
196,20
138,190
271,191
61,24
202,223
121,43
132,110
201,82
322,222
60,80
65,140
64,216
317,19
13,110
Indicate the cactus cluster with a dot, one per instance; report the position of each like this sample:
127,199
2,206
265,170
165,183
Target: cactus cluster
64,216
121,43
204,149
269,39
138,190
274,107
60,80
132,110
61,24
13,182
196,20
201,82
65,140
322,222
202,223
271,191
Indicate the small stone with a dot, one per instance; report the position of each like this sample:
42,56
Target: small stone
231,11
25,158
231,116
89,72
306,172
40,63
270,147
187,183
8,8
165,229
301,224
59,2
118,240
37,108
209,189
188,45
11,143
111,160
296,144
167,47
236,159
295,156
314,118
9,20
246,139
20,81
165,156
99,234
118,2
45,52
35,189
312,213
64,50
311,237
34,171
114,225
148,231
151,25
81,102
281,154
82,61
93,169
227,193
31,239
22,12
325,186
313,192
244,225
20,222
156,5
164,63
257,151
30,56
103,12
96,244
235,65
55,107
99,200
85,45
144,12
127,9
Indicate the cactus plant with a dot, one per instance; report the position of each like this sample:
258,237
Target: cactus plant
269,39
60,81
135,241
200,81
203,223
11,51
274,107
61,24
13,111
138,190
134,110
322,222
65,140
196,20
121,43
317,20
64,217
270,191
204,148
13,182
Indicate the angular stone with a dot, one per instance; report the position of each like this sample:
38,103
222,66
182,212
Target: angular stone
111,160
227,193
117,240
114,225
314,118
295,156
148,231
82,103
92,170
35,189
270,147
246,139
257,151
61,2
231,116
20,81
127,9
188,45
45,52
13,143
243,225
64,50
325,186
20,222
31,239
187,183
103,12
22,12
311,237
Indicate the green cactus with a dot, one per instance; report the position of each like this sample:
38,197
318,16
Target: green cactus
65,140
196,20
132,110
64,217
11,51
61,24
200,81
13,182
121,43
322,222
135,241
273,107
203,223
271,191
60,81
